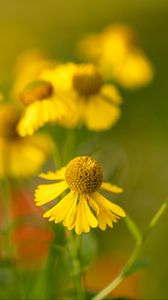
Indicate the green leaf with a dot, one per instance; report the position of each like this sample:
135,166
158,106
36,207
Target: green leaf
88,250
138,265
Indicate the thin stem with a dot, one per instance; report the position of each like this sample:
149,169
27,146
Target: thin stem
133,228
140,241
107,290
74,251
57,156
69,146
56,151
155,219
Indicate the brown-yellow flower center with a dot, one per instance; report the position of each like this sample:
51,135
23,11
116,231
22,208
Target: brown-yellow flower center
84,175
87,81
36,90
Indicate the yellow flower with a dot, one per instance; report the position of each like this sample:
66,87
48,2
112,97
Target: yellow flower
42,106
19,157
28,67
117,56
82,207
95,103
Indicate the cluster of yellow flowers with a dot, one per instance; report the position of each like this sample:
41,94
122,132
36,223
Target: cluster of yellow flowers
71,95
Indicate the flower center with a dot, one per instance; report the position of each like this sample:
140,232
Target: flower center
36,90
87,81
84,175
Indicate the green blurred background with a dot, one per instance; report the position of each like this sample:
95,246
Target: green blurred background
135,152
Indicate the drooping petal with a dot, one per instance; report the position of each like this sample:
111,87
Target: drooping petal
100,114
31,120
93,204
103,202
111,188
82,214
39,113
107,214
90,216
70,218
47,192
61,210
58,175
85,218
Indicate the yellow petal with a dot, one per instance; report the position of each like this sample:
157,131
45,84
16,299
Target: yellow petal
135,71
70,218
58,175
85,222
39,113
105,216
47,192
94,205
85,218
31,119
102,223
103,202
79,224
59,212
91,218
111,94
111,188
100,115
26,156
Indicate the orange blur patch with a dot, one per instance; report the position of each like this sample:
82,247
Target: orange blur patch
32,244
31,237
106,269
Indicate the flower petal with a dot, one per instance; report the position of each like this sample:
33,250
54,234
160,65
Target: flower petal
111,188
60,210
40,112
70,218
105,216
58,175
103,202
100,114
85,218
111,94
47,192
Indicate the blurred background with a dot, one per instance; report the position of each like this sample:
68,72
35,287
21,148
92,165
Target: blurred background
135,152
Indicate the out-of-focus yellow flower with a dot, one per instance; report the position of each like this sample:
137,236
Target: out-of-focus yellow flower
95,103
83,207
19,157
117,56
28,67
43,105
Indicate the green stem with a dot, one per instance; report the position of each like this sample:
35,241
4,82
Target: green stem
74,251
155,219
140,241
6,230
69,146
56,151
133,228
57,156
